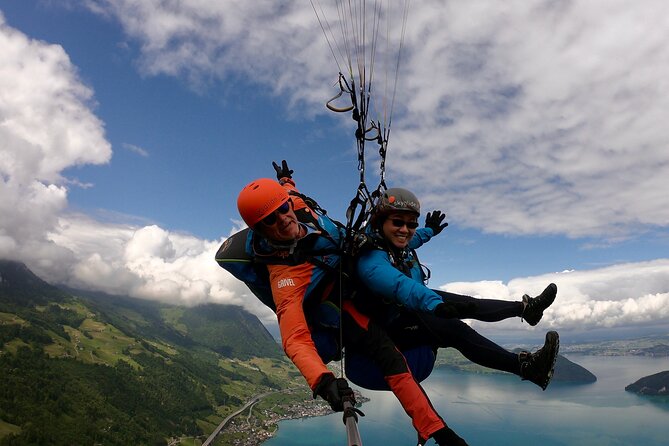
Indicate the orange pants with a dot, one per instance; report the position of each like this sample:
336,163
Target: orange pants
363,335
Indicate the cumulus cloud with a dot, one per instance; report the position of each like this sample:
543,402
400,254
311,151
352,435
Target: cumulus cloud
508,113
146,262
46,125
624,295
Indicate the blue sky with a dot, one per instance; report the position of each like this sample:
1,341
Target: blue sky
128,127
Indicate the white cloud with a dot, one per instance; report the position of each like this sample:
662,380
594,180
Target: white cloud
136,149
523,117
625,295
152,263
146,262
46,125
273,44
544,118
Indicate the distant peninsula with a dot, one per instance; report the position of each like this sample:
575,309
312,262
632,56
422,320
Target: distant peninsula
656,385
570,372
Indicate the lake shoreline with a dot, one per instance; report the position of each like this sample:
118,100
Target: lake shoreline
259,432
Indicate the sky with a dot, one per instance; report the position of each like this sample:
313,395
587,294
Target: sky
128,127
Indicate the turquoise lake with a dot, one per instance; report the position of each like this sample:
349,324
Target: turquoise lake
502,410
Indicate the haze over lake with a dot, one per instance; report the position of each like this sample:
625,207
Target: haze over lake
502,410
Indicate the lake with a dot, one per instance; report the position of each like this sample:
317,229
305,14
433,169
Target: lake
502,410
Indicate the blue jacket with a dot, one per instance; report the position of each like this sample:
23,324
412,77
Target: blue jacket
377,273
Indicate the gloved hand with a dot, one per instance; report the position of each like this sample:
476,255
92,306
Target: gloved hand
433,220
447,436
455,310
283,171
361,242
334,391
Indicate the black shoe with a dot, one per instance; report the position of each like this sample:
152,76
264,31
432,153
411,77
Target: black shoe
446,437
533,307
538,367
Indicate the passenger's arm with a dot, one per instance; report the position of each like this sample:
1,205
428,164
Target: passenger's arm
381,277
421,236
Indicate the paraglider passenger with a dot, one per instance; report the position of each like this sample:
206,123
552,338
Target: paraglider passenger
413,314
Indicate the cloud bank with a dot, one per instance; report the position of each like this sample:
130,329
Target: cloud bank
508,113
146,262
625,295
536,109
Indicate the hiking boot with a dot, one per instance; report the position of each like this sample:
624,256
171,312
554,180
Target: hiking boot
446,437
533,307
538,367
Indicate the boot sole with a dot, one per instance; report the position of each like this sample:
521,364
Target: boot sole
553,344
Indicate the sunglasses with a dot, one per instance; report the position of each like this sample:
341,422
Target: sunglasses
398,223
270,220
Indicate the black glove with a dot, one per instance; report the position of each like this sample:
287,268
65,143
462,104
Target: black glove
361,242
283,171
445,435
455,310
433,220
334,391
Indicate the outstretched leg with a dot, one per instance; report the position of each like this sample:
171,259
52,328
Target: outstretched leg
487,310
531,309
413,329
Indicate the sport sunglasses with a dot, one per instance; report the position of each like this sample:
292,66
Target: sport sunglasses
398,223
270,220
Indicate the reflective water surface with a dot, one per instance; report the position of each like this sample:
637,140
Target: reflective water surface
502,410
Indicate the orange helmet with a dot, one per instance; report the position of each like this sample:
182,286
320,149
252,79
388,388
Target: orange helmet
259,199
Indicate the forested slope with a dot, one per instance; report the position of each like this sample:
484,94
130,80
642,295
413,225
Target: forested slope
83,368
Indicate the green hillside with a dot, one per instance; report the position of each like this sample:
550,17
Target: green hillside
84,368
226,329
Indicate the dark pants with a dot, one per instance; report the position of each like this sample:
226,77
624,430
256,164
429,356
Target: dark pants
487,310
412,329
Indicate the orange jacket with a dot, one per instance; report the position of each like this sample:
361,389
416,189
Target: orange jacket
291,286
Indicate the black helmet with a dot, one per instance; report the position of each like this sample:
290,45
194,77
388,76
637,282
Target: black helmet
397,199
